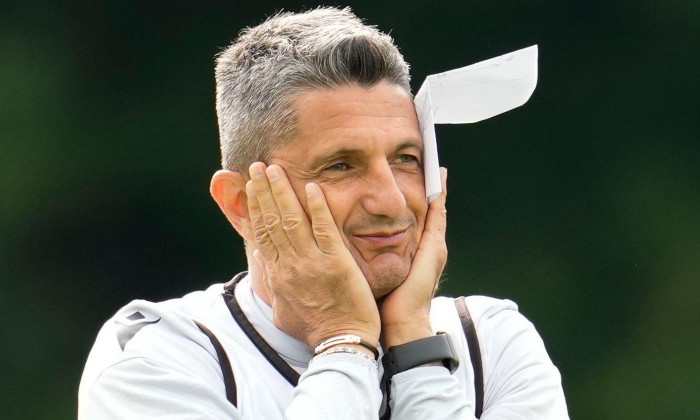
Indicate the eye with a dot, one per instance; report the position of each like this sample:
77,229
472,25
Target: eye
337,167
405,159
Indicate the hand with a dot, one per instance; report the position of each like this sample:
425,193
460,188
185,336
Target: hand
405,312
314,285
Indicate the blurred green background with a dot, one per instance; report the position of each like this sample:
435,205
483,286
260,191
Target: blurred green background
583,206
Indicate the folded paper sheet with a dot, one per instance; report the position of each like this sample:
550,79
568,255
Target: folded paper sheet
468,95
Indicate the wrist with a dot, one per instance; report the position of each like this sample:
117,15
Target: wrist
320,336
435,350
348,348
349,341
397,334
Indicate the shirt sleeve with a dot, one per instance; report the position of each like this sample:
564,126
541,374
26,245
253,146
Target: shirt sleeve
140,388
428,392
337,386
520,381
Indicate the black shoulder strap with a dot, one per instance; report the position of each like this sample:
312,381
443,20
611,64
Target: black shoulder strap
229,380
291,375
474,353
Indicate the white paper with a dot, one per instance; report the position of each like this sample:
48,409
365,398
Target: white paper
468,95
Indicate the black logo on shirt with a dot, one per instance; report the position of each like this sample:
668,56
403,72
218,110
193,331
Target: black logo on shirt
128,326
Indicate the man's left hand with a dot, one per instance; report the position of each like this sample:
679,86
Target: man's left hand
405,312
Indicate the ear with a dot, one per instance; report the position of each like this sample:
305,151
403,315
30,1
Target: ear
228,190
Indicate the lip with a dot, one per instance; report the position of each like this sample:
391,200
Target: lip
383,239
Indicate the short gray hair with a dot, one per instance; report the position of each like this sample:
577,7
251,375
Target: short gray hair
268,66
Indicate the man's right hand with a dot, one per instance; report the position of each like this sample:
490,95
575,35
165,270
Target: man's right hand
313,283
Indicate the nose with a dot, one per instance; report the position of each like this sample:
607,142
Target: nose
383,196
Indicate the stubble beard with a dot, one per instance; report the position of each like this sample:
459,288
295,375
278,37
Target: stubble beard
386,278
386,281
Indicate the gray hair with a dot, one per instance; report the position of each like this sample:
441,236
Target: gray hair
260,75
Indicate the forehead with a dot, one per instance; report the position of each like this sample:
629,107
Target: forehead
376,118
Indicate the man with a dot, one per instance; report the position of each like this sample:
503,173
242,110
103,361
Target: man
323,180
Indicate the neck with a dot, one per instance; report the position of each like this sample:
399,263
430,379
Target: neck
257,280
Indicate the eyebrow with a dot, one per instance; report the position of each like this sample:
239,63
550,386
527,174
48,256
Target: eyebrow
410,144
345,152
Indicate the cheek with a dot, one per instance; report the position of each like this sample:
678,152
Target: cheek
421,211
340,203
413,189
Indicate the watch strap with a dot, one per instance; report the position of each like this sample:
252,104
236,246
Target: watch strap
437,348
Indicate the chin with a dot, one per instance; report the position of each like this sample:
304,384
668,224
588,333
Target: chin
383,282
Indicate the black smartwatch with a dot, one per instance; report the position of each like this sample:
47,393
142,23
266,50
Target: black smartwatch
403,357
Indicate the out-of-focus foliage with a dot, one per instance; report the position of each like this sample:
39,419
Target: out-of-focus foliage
583,206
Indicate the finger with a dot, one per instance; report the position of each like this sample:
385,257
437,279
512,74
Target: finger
432,249
325,231
293,218
268,206
436,221
262,237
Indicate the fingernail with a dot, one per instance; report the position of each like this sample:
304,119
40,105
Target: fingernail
311,190
273,173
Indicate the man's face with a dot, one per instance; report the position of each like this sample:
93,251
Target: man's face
364,148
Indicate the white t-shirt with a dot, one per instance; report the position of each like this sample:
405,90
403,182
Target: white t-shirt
152,361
